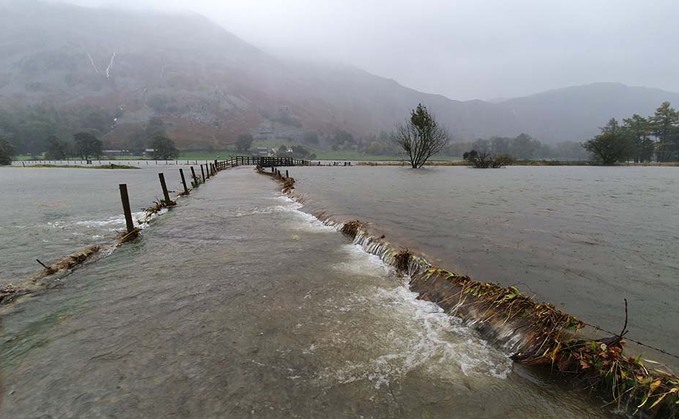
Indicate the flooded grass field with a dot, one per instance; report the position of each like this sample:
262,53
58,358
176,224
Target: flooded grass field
582,238
48,213
238,303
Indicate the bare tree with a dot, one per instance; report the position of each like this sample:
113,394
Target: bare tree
421,136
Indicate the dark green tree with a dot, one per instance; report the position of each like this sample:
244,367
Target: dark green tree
421,136
163,148
56,149
87,145
6,152
613,145
664,126
638,129
244,142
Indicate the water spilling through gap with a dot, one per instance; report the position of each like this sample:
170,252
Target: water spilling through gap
237,304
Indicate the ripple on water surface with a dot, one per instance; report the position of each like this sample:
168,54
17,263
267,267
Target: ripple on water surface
217,313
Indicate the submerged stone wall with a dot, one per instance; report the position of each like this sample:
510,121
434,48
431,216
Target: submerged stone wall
533,333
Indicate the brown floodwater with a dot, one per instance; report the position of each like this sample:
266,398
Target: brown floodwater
582,238
238,304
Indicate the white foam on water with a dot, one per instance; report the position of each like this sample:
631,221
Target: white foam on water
302,220
271,209
284,198
109,224
246,212
108,251
421,338
361,263
119,220
409,334
443,338
142,220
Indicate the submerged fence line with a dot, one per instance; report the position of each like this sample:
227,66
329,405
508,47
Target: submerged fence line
537,334
100,162
211,169
662,351
66,264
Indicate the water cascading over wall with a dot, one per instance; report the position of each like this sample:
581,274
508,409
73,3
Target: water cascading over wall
534,333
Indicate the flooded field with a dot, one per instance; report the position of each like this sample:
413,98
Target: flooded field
238,304
48,213
582,238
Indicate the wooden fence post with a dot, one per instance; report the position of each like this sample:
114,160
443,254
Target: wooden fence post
166,195
181,173
195,179
202,172
126,207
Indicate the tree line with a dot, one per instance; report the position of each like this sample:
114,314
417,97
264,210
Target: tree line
28,129
638,138
63,134
76,133
87,146
421,137
520,147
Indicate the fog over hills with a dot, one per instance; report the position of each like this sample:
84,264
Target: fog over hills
210,86
575,113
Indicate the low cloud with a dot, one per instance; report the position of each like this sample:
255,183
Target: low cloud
463,49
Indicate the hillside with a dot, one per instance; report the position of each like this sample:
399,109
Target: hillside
208,86
575,112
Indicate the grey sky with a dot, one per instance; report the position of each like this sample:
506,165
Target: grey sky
463,49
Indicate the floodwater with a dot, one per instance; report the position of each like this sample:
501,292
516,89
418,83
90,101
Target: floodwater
237,304
582,238
48,213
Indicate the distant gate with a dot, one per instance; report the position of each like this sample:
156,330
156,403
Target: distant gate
266,161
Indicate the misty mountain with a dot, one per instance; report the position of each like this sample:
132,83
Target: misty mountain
209,86
575,113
